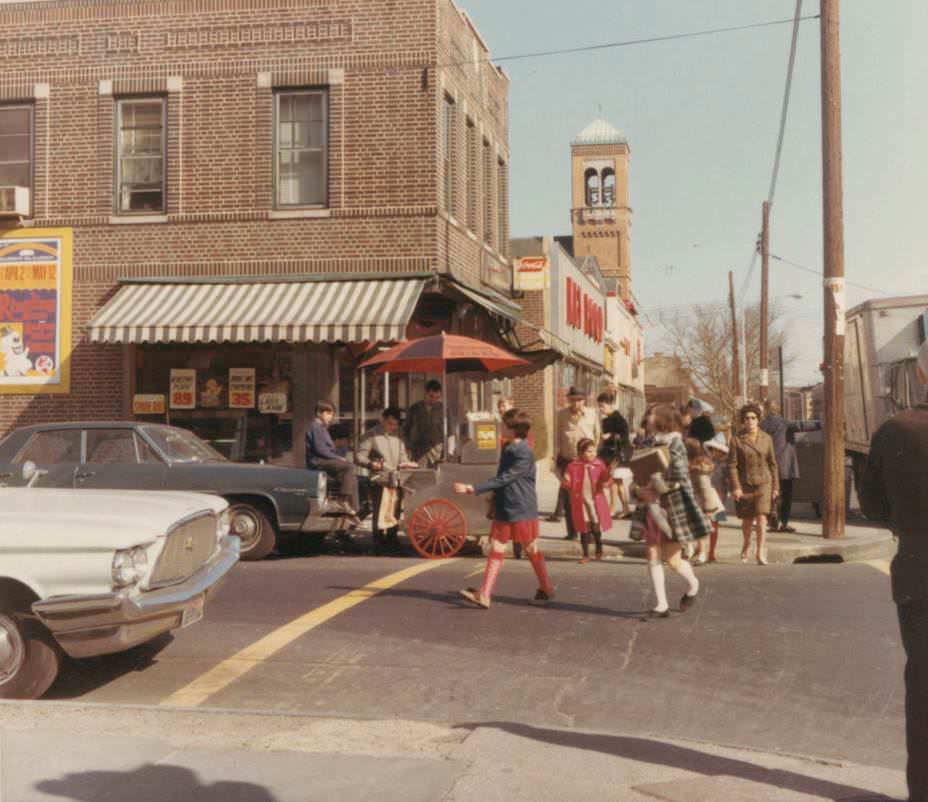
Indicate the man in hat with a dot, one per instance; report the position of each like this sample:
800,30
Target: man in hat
893,488
575,422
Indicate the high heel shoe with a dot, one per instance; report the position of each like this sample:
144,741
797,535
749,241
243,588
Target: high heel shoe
744,555
762,559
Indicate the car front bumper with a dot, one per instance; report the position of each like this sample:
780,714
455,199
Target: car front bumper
85,626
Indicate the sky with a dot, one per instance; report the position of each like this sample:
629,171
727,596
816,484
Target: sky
701,116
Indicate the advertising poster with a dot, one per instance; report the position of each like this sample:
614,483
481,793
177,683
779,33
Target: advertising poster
241,388
272,403
212,391
183,388
35,311
152,404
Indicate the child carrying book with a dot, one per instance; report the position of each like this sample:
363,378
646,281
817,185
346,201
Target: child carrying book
586,479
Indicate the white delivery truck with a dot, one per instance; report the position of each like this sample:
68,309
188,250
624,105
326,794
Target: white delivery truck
880,347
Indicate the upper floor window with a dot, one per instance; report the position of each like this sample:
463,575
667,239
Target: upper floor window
447,153
301,148
487,193
140,155
471,163
16,146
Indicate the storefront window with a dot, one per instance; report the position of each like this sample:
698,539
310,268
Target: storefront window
241,401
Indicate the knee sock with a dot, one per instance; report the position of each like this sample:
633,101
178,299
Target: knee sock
714,538
494,566
686,571
598,537
656,570
585,542
541,571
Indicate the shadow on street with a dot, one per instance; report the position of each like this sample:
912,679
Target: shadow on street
644,750
151,783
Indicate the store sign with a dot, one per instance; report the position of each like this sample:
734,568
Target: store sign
272,403
148,404
583,313
241,388
485,435
495,273
35,311
183,388
531,273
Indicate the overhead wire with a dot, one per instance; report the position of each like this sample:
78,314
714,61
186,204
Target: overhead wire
627,42
819,273
781,135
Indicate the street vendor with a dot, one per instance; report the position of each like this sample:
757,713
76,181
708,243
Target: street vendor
424,430
383,453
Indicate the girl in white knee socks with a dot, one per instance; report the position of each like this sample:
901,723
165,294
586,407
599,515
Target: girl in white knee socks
687,522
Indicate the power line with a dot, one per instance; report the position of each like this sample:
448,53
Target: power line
784,110
628,42
819,273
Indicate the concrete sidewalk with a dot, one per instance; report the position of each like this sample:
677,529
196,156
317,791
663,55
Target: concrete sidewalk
69,751
861,541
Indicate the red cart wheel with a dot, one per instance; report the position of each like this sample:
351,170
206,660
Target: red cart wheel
437,529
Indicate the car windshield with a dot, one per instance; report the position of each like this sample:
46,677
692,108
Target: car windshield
179,445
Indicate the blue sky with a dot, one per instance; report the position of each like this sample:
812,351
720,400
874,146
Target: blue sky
701,116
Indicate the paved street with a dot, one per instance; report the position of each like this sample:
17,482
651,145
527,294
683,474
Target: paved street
799,659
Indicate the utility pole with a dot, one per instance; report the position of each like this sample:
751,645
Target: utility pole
835,306
764,389
735,358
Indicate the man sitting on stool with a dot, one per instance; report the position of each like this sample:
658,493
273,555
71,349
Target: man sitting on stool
322,456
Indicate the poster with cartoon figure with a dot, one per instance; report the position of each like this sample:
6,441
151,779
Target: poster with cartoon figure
35,311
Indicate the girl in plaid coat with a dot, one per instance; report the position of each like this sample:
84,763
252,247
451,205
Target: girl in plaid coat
687,521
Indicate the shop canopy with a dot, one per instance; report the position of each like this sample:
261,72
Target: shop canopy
277,310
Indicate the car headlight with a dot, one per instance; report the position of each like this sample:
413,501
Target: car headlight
223,521
322,486
129,566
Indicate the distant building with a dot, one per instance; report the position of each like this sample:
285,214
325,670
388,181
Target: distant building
667,381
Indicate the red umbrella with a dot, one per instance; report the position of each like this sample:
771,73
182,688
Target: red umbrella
443,353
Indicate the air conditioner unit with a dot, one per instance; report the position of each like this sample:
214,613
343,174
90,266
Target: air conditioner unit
14,202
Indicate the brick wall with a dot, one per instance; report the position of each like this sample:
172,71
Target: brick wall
386,66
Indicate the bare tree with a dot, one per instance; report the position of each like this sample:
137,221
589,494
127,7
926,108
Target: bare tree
701,337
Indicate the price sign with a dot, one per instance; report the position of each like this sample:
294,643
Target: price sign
241,388
148,404
183,388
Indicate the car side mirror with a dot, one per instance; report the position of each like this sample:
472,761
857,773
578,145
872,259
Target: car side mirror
29,471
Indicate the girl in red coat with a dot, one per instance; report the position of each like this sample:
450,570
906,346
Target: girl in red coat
586,479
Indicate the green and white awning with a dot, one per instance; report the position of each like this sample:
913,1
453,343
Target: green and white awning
367,310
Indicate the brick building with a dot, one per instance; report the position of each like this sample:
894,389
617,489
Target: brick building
269,186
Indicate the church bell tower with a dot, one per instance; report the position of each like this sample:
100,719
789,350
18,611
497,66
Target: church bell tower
600,213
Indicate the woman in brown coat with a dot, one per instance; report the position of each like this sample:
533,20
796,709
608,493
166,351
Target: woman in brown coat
755,480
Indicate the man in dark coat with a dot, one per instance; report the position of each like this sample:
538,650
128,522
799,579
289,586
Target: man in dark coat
783,434
424,427
893,488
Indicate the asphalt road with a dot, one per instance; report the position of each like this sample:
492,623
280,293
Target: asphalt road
803,659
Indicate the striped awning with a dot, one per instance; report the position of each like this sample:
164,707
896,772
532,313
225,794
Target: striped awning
255,311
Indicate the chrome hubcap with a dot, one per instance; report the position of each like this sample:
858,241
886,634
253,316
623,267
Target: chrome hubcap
12,649
245,526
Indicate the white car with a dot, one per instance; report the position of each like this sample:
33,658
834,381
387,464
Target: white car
92,572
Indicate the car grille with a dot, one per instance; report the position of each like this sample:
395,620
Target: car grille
186,547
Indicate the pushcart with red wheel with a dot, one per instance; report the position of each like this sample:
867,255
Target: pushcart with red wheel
438,523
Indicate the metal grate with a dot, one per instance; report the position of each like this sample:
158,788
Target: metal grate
186,548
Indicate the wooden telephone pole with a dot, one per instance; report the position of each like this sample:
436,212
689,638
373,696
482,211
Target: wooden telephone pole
835,307
764,389
735,357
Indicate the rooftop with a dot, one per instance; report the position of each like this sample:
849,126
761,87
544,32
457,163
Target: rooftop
599,132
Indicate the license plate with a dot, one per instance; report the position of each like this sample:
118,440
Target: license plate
193,612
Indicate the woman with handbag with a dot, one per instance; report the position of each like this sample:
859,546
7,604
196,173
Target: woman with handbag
755,480
515,514
685,520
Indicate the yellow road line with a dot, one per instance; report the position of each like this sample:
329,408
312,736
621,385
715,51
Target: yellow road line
881,565
243,661
476,571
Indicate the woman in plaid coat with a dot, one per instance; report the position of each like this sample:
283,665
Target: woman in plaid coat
687,521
